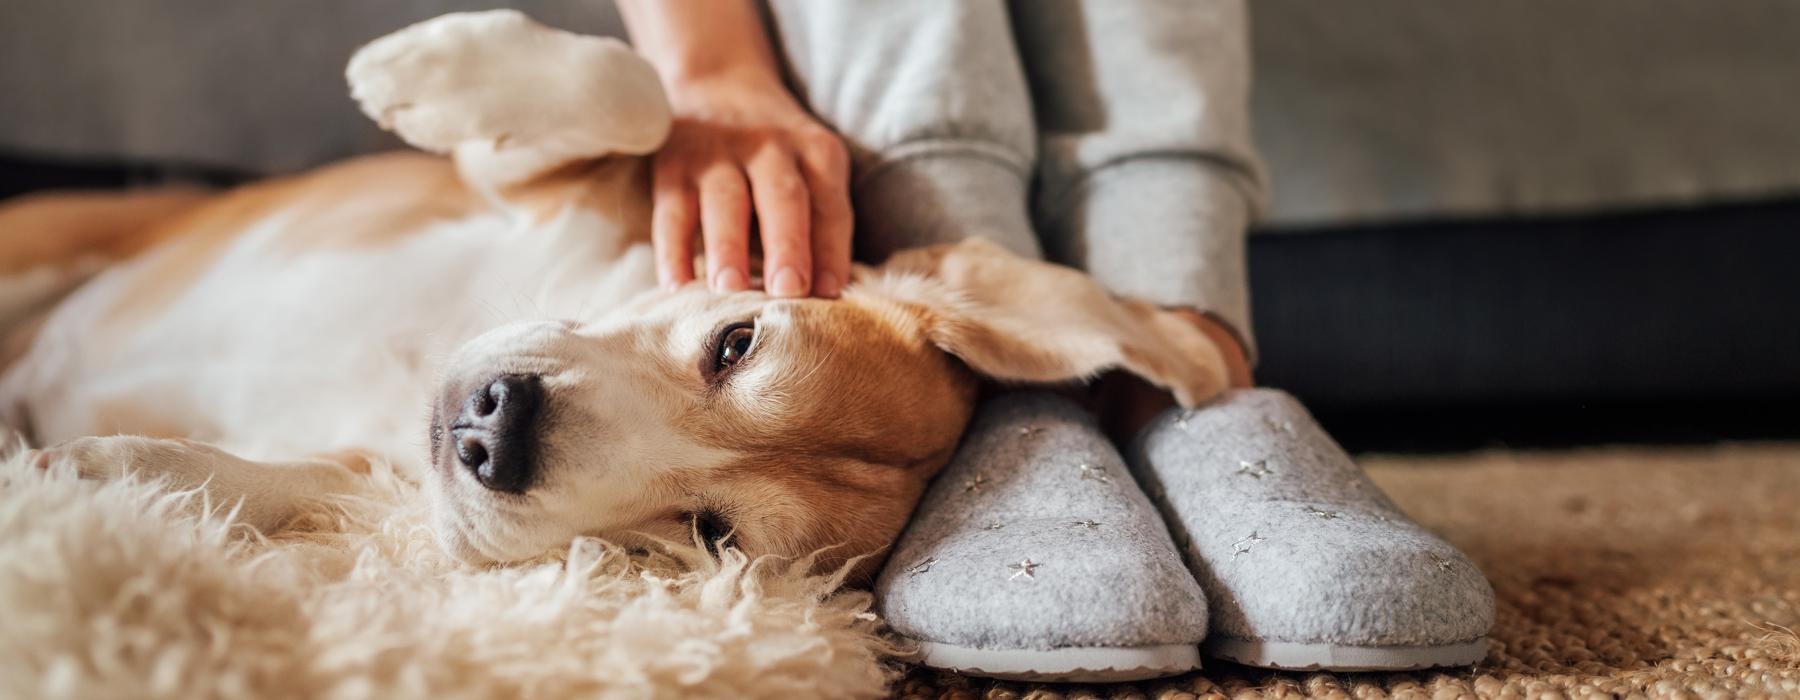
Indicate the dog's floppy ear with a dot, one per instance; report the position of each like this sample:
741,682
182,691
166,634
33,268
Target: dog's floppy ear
1017,319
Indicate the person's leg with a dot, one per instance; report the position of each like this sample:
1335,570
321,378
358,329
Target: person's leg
930,99
1148,181
1147,177
1033,555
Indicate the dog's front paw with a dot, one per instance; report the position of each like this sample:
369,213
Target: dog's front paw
182,462
263,495
511,98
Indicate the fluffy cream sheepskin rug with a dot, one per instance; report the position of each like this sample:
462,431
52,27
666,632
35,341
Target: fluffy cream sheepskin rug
124,590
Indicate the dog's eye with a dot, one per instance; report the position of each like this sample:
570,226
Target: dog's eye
713,529
733,344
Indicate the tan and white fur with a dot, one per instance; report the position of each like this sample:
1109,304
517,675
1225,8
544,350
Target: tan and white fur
271,341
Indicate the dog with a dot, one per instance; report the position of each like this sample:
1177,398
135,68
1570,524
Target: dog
488,323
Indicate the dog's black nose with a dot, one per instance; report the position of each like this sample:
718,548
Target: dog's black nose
496,434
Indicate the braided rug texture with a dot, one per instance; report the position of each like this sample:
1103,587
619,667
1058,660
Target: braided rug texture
1620,572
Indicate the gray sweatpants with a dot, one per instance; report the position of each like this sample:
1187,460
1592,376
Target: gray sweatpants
1120,128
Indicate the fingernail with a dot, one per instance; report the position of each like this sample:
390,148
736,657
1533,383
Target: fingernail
729,279
787,283
826,286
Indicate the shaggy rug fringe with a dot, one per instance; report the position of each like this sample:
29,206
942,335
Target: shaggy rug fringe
121,589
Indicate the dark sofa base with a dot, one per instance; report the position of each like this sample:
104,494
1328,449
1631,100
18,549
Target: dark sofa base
1684,304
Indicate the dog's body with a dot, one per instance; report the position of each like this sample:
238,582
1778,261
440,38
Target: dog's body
489,326
272,291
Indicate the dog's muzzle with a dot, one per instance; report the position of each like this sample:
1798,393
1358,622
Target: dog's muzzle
494,435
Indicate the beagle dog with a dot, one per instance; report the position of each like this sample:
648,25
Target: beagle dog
489,324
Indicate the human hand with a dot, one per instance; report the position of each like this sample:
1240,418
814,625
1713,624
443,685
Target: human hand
742,145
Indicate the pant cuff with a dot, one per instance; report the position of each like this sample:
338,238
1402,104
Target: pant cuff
1169,231
929,196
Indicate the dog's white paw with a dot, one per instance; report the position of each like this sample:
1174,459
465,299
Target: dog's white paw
183,463
511,98
265,495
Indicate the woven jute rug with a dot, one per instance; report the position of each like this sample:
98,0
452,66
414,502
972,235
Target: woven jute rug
1655,572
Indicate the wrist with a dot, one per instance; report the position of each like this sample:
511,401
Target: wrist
698,44
705,72
701,83
731,97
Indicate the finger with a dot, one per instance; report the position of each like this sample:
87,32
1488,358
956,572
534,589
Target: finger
826,167
674,209
725,227
784,216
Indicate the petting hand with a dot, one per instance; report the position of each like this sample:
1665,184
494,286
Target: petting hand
740,144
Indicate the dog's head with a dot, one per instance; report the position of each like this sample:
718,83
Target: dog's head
780,426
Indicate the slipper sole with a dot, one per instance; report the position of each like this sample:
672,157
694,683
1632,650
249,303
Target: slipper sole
1066,665
1331,657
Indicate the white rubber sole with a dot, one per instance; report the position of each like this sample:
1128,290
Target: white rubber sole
1070,665
1328,657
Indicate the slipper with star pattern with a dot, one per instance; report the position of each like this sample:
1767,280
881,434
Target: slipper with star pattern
1035,556
1305,562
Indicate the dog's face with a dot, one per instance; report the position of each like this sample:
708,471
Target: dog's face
781,426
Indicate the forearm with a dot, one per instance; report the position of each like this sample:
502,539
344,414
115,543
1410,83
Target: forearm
690,42
1154,200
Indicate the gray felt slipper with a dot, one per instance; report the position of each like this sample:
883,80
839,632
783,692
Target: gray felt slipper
1305,562
1034,556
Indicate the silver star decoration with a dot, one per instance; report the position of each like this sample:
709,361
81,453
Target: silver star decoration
1443,563
1242,546
974,484
994,526
1255,470
1093,473
1089,524
1323,514
1030,431
1181,421
1026,567
921,567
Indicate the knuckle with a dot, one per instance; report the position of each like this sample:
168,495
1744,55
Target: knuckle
674,159
786,187
668,192
773,146
834,205
720,182
725,224
689,159
792,250
823,147
820,137
669,229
